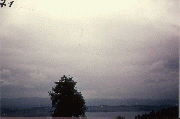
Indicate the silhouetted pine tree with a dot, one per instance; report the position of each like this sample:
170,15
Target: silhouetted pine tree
66,100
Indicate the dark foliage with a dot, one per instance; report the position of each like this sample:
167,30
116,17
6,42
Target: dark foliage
169,113
66,100
119,117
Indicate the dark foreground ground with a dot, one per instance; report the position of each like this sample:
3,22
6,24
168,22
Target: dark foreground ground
169,113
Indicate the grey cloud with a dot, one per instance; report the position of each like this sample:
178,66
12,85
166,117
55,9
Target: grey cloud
108,57
156,66
5,73
173,63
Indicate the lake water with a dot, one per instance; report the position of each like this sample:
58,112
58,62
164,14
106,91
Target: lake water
110,115
90,115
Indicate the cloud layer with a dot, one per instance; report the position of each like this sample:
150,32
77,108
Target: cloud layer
113,55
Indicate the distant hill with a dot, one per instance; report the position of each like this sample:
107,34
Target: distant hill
130,102
46,102
25,102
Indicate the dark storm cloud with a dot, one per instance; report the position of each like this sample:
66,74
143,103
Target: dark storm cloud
173,63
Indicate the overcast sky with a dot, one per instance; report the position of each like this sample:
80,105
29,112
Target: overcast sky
113,49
